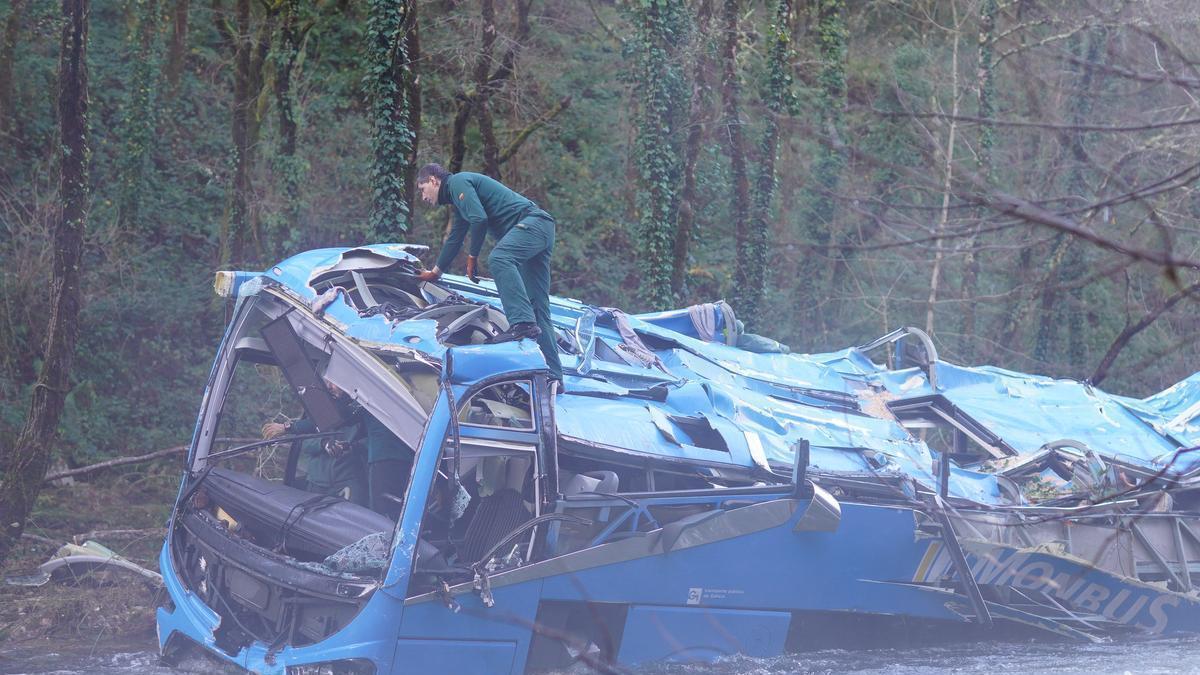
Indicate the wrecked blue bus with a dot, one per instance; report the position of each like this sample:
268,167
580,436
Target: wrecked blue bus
688,492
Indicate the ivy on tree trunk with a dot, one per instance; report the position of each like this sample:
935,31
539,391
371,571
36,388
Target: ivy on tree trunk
660,91
749,243
697,113
818,203
249,50
389,71
777,94
8,51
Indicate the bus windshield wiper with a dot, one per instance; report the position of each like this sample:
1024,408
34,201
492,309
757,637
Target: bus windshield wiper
233,452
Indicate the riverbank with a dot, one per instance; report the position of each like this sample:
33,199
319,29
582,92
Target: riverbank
125,512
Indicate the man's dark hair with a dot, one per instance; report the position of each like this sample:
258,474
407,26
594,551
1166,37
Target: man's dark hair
432,171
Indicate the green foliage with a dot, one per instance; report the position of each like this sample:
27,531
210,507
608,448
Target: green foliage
831,36
139,117
608,168
891,139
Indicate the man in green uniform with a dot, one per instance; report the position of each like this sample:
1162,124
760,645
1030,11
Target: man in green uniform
333,466
520,261
336,467
389,463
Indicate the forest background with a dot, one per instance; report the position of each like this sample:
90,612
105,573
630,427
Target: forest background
1015,177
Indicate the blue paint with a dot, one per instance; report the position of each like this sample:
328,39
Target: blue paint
700,634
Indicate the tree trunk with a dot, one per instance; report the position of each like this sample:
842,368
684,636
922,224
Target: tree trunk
458,131
291,170
1012,318
485,84
23,467
987,139
236,39
1066,262
660,90
817,203
391,71
777,95
691,153
747,275
289,40
1049,318
1075,266
483,108
412,85
242,101
177,52
947,175
8,51
249,52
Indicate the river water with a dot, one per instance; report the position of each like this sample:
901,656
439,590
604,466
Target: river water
1169,655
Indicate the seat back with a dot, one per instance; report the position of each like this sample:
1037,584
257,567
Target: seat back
496,516
603,482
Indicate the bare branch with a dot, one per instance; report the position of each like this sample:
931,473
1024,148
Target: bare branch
1152,126
533,126
1131,330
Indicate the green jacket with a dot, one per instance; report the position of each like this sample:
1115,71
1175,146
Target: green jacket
380,443
328,474
480,204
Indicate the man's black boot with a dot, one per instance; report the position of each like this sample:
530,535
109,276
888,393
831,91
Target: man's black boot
517,331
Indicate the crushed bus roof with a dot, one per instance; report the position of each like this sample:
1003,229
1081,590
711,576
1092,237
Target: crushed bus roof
652,384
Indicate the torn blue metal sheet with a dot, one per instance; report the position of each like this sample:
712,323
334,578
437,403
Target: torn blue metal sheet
1029,411
472,363
1174,411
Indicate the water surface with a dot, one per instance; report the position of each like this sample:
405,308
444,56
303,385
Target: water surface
1168,655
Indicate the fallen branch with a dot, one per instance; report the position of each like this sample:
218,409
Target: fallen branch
108,464
122,461
119,534
40,539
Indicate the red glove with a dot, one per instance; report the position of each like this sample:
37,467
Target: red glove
471,260
430,275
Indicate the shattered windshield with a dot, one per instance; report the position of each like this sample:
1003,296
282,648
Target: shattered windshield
313,438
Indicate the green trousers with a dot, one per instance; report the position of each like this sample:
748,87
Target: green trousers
520,265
